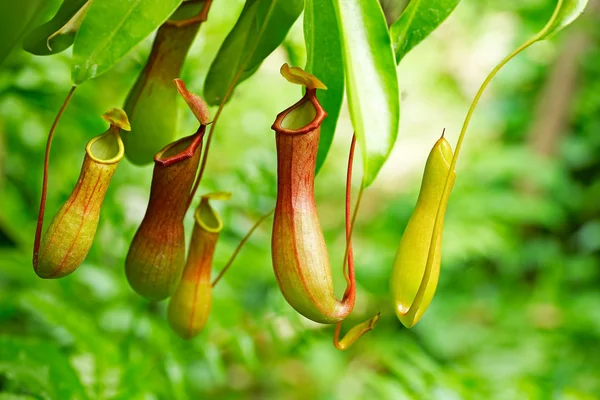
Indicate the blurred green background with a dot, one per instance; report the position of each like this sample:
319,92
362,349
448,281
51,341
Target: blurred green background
517,311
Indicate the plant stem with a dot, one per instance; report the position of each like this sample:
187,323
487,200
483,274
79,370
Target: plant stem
239,247
40,221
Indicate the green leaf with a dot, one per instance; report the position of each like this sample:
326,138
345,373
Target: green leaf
565,13
38,367
16,18
325,61
51,37
418,20
261,27
110,29
371,78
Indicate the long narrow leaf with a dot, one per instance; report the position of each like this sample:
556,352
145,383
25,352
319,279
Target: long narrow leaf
274,18
371,78
325,61
44,40
110,29
418,20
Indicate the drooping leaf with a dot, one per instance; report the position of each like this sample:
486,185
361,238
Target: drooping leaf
418,20
110,29
55,36
370,72
325,61
16,18
565,13
261,27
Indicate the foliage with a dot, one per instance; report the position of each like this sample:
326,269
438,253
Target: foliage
110,29
417,21
261,27
54,36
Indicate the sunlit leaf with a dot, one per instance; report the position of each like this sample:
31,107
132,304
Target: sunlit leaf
325,61
371,78
418,20
54,36
110,29
261,27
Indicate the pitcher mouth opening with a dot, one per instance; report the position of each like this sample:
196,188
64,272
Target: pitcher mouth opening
207,217
181,149
107,148
304,116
